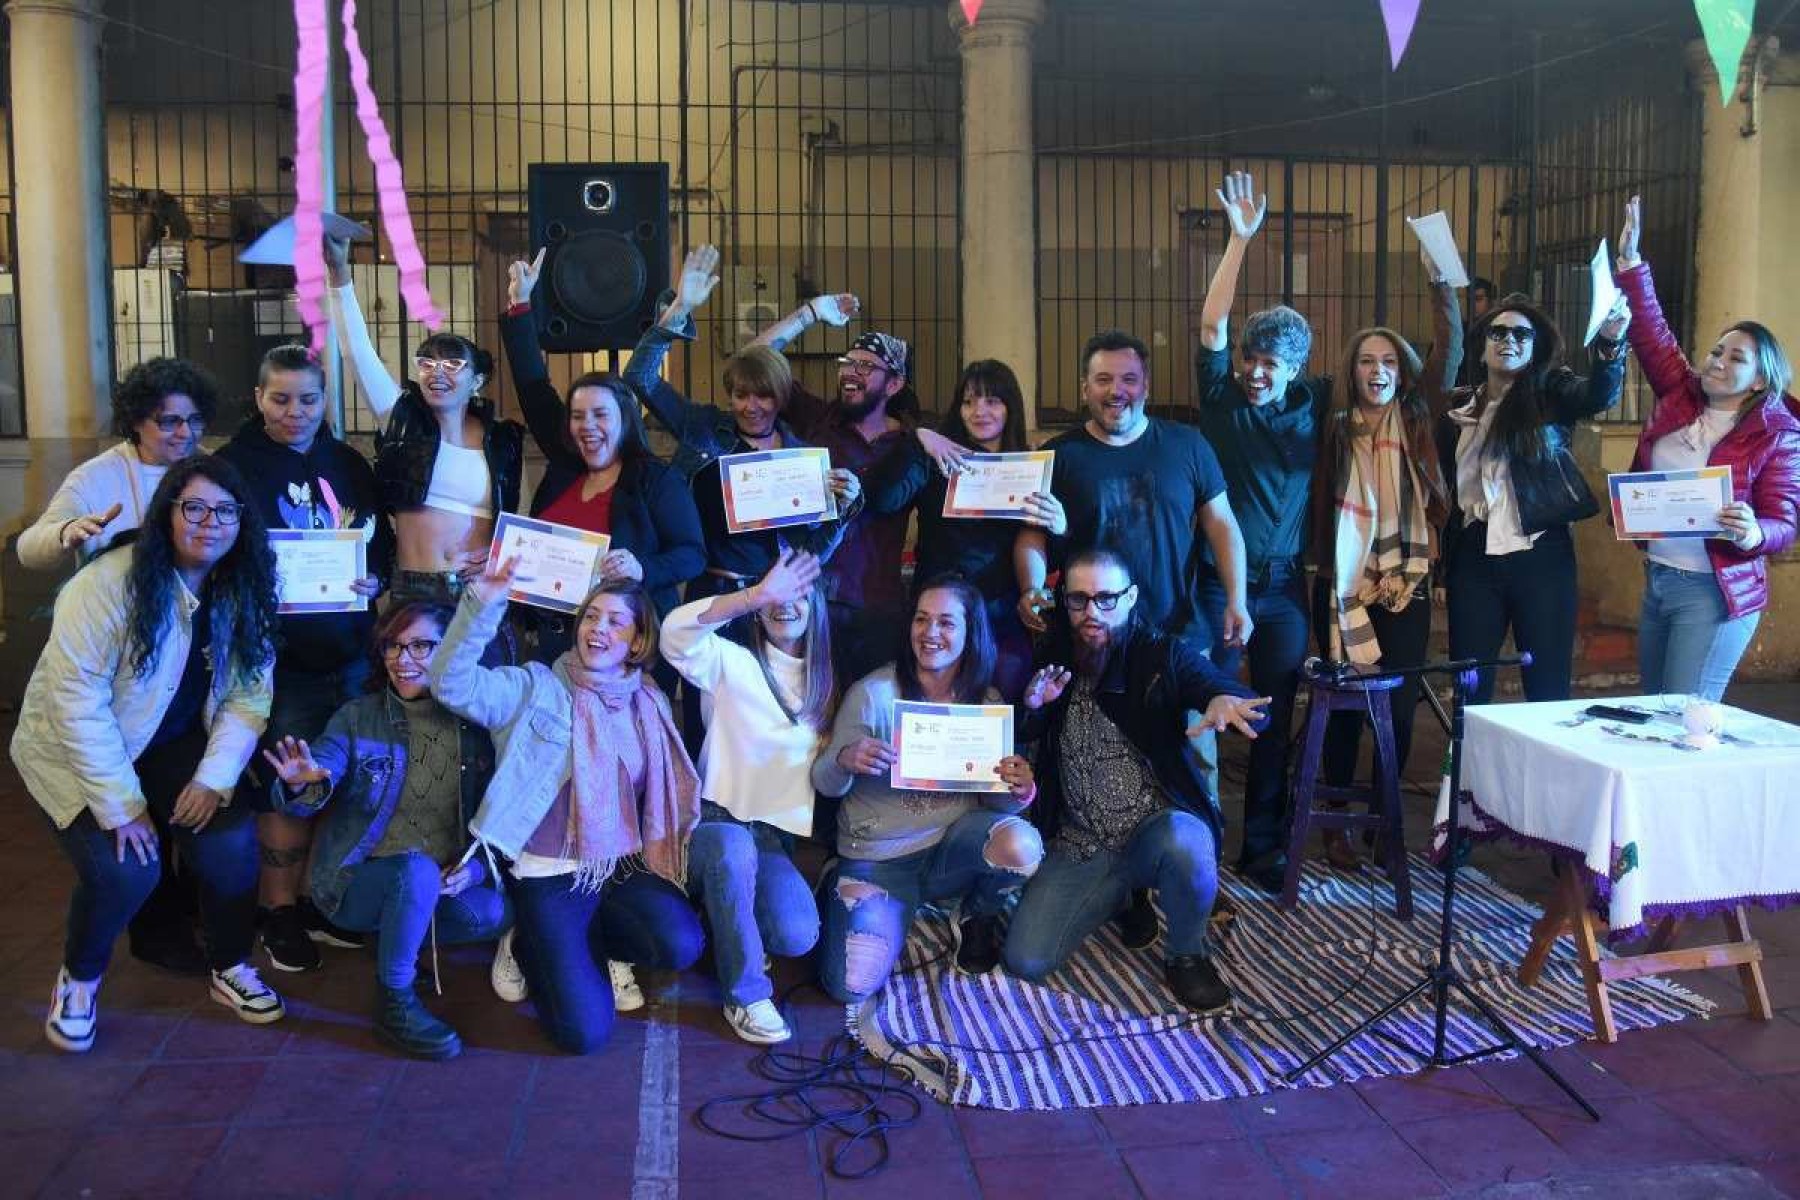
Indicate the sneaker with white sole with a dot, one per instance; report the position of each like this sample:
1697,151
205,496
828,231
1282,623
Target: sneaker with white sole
73,1014
759,1023
508,980
627,995
242,990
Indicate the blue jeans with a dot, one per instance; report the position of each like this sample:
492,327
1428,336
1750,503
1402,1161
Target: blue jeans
565,937
1172,852
865,927
1688,643
108,892
398,895
755,897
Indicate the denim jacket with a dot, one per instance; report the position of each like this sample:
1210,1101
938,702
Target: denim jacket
364,751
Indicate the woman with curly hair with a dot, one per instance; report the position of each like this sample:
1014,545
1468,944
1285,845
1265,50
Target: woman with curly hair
138,720
161,409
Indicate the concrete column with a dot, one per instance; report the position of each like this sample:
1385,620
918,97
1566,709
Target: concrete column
59,147
999,190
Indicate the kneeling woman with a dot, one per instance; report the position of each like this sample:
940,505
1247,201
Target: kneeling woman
899,848
593,798
388,857
140,715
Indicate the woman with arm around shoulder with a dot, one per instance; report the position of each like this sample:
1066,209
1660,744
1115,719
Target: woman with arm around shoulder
1704,597
767,704
900,849
139,717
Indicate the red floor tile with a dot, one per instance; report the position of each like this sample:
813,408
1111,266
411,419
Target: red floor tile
990,1133
126,1163
54,1091
189,1093
1481,1148
1216,1169
1447,1092
212,1032
330,1089
1094,1176
565,1153
1661,1059
1631,1129
1520,1082
1749,1120
1168,1124
298,1161
31,1158
1303,1110
907,1177
453,1152
1758,1047
1345,1164
490,1080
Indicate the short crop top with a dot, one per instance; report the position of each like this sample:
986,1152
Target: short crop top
459,482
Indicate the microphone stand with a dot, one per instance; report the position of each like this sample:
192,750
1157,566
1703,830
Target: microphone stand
1442,978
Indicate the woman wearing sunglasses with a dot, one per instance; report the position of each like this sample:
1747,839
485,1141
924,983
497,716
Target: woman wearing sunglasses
140,716
446,465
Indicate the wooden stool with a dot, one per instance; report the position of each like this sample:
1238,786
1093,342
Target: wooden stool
1366,698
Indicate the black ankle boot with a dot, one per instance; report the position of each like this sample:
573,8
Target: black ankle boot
403,1022
1196,983
1137,921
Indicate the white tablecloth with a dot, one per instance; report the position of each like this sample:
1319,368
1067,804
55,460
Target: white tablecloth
1662,831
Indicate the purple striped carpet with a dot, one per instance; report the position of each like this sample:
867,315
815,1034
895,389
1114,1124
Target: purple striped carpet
1104,1030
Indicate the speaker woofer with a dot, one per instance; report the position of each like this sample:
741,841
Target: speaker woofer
598,276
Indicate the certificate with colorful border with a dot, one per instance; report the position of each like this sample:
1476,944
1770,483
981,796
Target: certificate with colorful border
316,567
767,489
558,564
950,747
995,485
1662,505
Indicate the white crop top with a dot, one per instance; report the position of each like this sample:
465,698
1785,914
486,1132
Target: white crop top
459,482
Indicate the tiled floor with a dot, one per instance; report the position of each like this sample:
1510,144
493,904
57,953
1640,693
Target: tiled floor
180,1099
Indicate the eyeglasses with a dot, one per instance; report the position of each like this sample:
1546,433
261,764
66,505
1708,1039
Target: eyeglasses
858,366
170,422
1104,601
195,512
419,649
443,366
1522,334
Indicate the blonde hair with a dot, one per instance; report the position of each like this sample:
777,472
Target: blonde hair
759,371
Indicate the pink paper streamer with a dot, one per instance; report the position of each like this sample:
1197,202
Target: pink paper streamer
971,9
1400,16
389,184
312,65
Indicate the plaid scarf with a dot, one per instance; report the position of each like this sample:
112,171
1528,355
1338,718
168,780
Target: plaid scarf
1383,548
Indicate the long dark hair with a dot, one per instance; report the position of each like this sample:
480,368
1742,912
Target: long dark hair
819,704
241,584
975,670
1519,425
1415,409
634,445
988,377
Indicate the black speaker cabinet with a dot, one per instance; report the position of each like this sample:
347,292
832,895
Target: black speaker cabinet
606,229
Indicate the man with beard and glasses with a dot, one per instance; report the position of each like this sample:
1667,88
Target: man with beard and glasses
1120,802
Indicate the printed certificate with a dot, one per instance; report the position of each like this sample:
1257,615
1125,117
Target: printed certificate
950,747
316,568
558,564
767,489
995,485
1651,505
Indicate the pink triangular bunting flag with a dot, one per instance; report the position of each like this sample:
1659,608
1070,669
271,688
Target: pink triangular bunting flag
971,9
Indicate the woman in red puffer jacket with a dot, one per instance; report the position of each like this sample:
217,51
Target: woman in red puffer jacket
1703,597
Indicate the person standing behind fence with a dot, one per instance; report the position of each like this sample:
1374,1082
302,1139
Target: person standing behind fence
1704,597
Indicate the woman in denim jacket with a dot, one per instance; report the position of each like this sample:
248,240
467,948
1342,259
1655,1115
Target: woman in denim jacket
405,774
593,798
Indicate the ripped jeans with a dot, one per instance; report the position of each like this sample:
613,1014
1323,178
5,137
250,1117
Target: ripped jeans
873,903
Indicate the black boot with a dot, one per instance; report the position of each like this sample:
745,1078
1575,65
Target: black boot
403,1022
1196,983
1137,921
978,947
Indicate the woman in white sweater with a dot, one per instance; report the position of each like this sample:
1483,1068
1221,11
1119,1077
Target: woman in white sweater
767,708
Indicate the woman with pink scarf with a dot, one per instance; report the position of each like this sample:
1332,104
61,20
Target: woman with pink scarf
593,799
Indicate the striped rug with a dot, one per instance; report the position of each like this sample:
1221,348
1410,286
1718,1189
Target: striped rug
1104,1030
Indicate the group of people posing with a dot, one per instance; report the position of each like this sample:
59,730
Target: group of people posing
629,785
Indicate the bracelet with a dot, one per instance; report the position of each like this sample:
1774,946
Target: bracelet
61,538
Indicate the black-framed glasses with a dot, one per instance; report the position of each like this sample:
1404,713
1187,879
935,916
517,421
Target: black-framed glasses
195,512
419,649
170,422
1522,334
857,366
443,366
1104,601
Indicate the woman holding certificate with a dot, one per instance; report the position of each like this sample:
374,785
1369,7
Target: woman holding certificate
900,846
1704,596
592,797
767,702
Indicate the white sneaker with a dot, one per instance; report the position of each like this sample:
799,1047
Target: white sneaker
627,995
759,1023
242,990
508,980
73,1014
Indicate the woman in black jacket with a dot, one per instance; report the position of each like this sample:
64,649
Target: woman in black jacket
1515,487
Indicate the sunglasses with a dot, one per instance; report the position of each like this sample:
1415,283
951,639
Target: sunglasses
1522,334
444,366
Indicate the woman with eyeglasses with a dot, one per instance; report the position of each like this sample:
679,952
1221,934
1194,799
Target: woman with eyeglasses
139,717
446,465
1703,597
161,408
1505,446
398,777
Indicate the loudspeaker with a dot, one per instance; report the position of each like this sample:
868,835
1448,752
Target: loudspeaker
606,229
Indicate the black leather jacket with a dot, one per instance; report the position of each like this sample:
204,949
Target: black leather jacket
406,453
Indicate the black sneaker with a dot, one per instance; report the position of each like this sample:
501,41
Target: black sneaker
284,937
1267,871
320,929
978,946
1137,922
1196,983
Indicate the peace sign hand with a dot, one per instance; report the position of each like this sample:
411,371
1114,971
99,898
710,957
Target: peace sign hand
522,277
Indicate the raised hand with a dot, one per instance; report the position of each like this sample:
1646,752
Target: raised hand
699,276
792,577
494,582
1232,712
522,277
1613,328
80,529
866,756
1627,257
1047,686
337,260
838,309
1243,207
294,764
